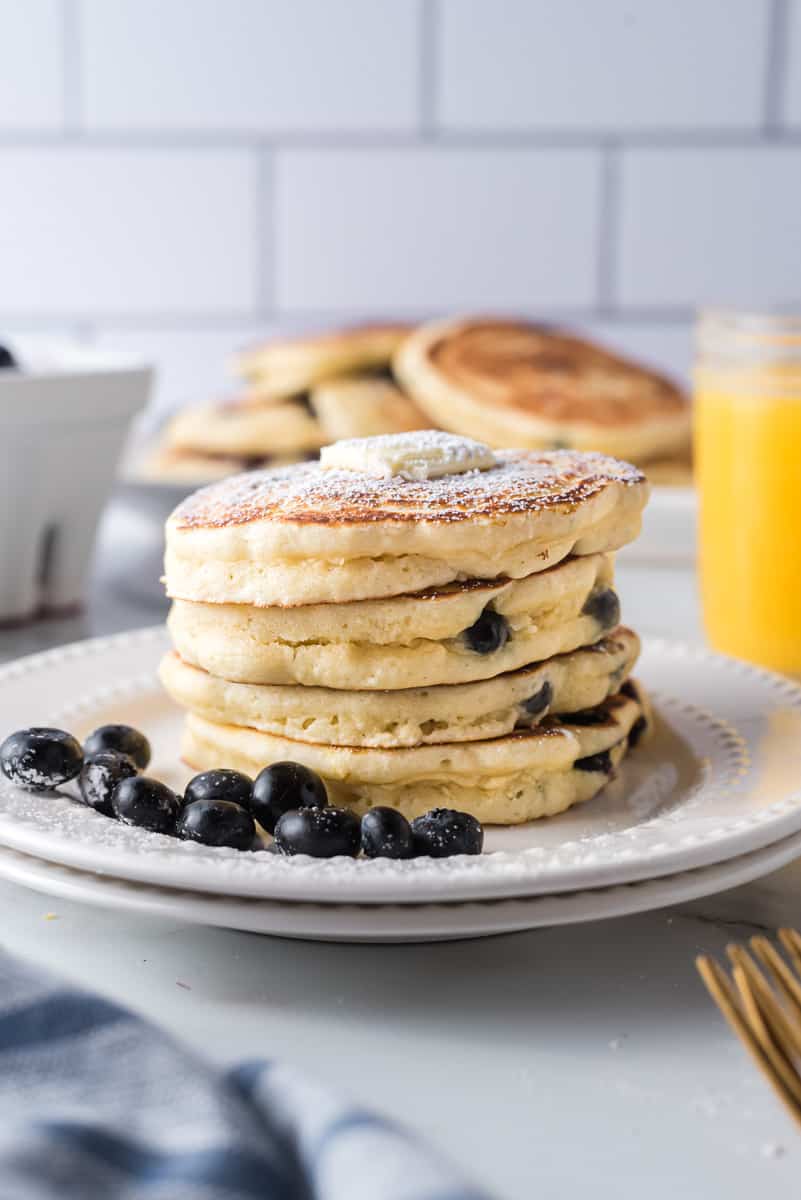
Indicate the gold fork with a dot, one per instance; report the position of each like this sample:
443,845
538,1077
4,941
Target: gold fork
763,1007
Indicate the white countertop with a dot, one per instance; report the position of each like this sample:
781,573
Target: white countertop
549,1064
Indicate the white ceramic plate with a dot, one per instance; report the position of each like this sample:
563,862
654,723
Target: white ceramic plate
392,922
720,777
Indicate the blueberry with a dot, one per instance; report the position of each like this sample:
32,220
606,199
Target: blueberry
122,739
595,762
220,785
7,360
489,633
444,831
40,759
604,605
217,823
636,732
282,787
537,704
100,775
320,832
386,834
146,803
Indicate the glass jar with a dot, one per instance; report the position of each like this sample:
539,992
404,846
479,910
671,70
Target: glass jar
748,469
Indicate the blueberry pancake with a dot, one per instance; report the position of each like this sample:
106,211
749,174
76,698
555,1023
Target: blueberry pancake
468,712
516,383
284,366
450,635
387,516
506,780
241,429
364,407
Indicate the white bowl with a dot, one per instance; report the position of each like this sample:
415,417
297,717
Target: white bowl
63,424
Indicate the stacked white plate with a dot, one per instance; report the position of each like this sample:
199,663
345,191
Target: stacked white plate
712,800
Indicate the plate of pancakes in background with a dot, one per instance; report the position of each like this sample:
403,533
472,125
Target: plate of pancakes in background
510,383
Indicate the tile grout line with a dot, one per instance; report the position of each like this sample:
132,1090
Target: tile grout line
775,66
428,50
481,141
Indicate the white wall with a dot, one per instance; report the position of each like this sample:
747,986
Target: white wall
180,175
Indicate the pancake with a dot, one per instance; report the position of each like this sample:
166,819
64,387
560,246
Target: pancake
167,465
515,383
284,366
364,407
676,471
416,716
444,636
506,780
308,534
241,429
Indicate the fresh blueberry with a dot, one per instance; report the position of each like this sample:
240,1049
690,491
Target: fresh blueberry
489,633
217,823
146,803
220,785
122,739
282,787
595,762
40,759
537,704
320,832
444,831
603,604
100,775
386,834
7,360
636,732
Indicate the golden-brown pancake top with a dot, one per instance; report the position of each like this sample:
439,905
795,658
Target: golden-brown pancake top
357,335
550,374
308,494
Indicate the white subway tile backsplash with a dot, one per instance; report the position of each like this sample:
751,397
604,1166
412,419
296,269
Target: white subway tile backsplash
253,65
92,231
426,229
616,65
791,110
31,73
719,226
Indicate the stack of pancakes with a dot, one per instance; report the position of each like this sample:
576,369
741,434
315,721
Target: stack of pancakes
518,383
299,393
422,621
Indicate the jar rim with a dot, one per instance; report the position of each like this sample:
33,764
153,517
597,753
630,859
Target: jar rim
750,327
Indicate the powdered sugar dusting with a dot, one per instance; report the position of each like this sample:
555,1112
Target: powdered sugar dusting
521,481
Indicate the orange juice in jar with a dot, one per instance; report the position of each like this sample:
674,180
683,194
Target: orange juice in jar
748,470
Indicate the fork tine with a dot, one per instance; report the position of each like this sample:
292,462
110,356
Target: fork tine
791,941
782,976
724,995
782,1067
782,1029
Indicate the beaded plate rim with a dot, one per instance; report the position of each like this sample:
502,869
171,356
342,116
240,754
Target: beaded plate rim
62,831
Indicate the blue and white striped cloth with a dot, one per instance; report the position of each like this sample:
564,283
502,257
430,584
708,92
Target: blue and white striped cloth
96,1103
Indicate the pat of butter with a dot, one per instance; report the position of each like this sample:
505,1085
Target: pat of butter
425,454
